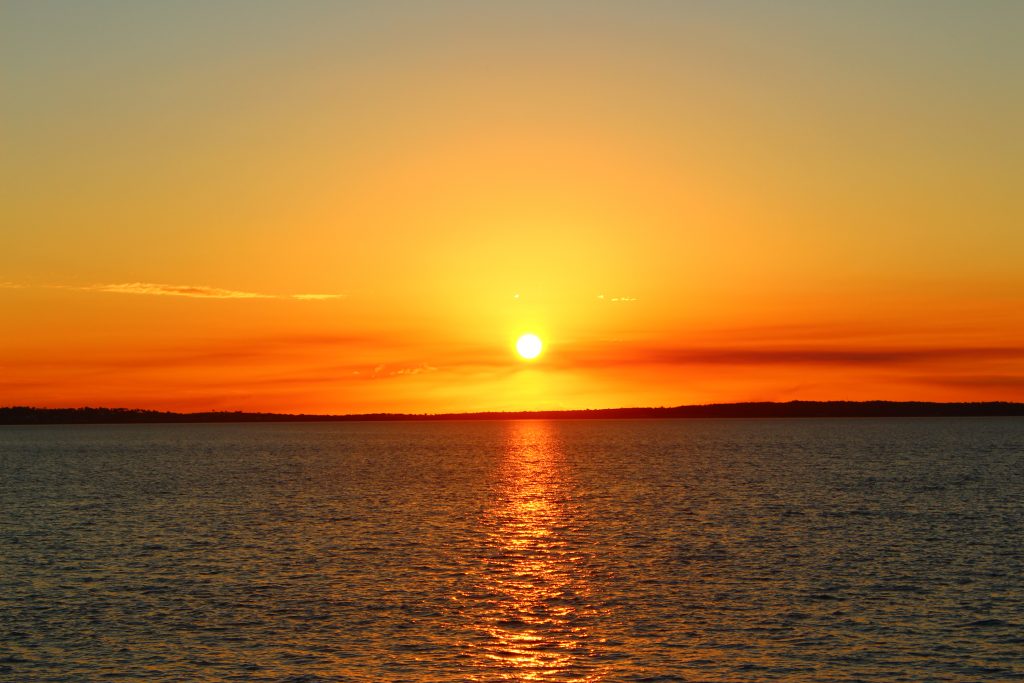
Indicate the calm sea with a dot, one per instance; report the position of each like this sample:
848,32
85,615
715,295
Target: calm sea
662,550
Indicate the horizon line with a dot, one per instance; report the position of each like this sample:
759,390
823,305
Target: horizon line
10,415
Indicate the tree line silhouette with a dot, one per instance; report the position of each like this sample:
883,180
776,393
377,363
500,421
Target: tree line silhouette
24,415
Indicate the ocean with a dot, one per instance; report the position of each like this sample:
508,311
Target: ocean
576,550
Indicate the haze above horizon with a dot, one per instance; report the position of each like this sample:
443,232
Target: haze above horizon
357,208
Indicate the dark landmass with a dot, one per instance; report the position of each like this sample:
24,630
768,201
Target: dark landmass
26,416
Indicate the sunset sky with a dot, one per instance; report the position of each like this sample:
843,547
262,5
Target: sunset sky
359,207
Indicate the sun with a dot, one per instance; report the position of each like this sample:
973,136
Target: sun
529,346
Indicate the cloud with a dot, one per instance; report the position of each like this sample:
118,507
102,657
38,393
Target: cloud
156,289
222,353
195,291
848,356
616,299
415,370
990,382
316,297
825,356
615,355
383,370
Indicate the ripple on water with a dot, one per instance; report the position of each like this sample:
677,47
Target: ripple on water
733,550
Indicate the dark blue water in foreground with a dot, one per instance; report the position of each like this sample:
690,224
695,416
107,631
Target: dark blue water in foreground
687,550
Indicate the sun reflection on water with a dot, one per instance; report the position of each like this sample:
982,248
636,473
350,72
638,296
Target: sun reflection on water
537,617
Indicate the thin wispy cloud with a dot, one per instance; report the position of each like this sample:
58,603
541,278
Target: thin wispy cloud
607,356
316,297
411,370
985,382
190,291
242,351
156,289
851,357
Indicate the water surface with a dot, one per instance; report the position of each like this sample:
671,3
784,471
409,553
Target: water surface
689,550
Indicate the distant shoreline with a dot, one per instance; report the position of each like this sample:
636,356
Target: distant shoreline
19,415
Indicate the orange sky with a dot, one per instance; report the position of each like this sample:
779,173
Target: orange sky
356,208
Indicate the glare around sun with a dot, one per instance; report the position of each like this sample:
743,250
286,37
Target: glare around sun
529,346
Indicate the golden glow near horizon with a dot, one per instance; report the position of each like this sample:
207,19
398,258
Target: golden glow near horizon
529,346
354,207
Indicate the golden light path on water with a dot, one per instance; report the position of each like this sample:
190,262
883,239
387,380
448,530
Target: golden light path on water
540,620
